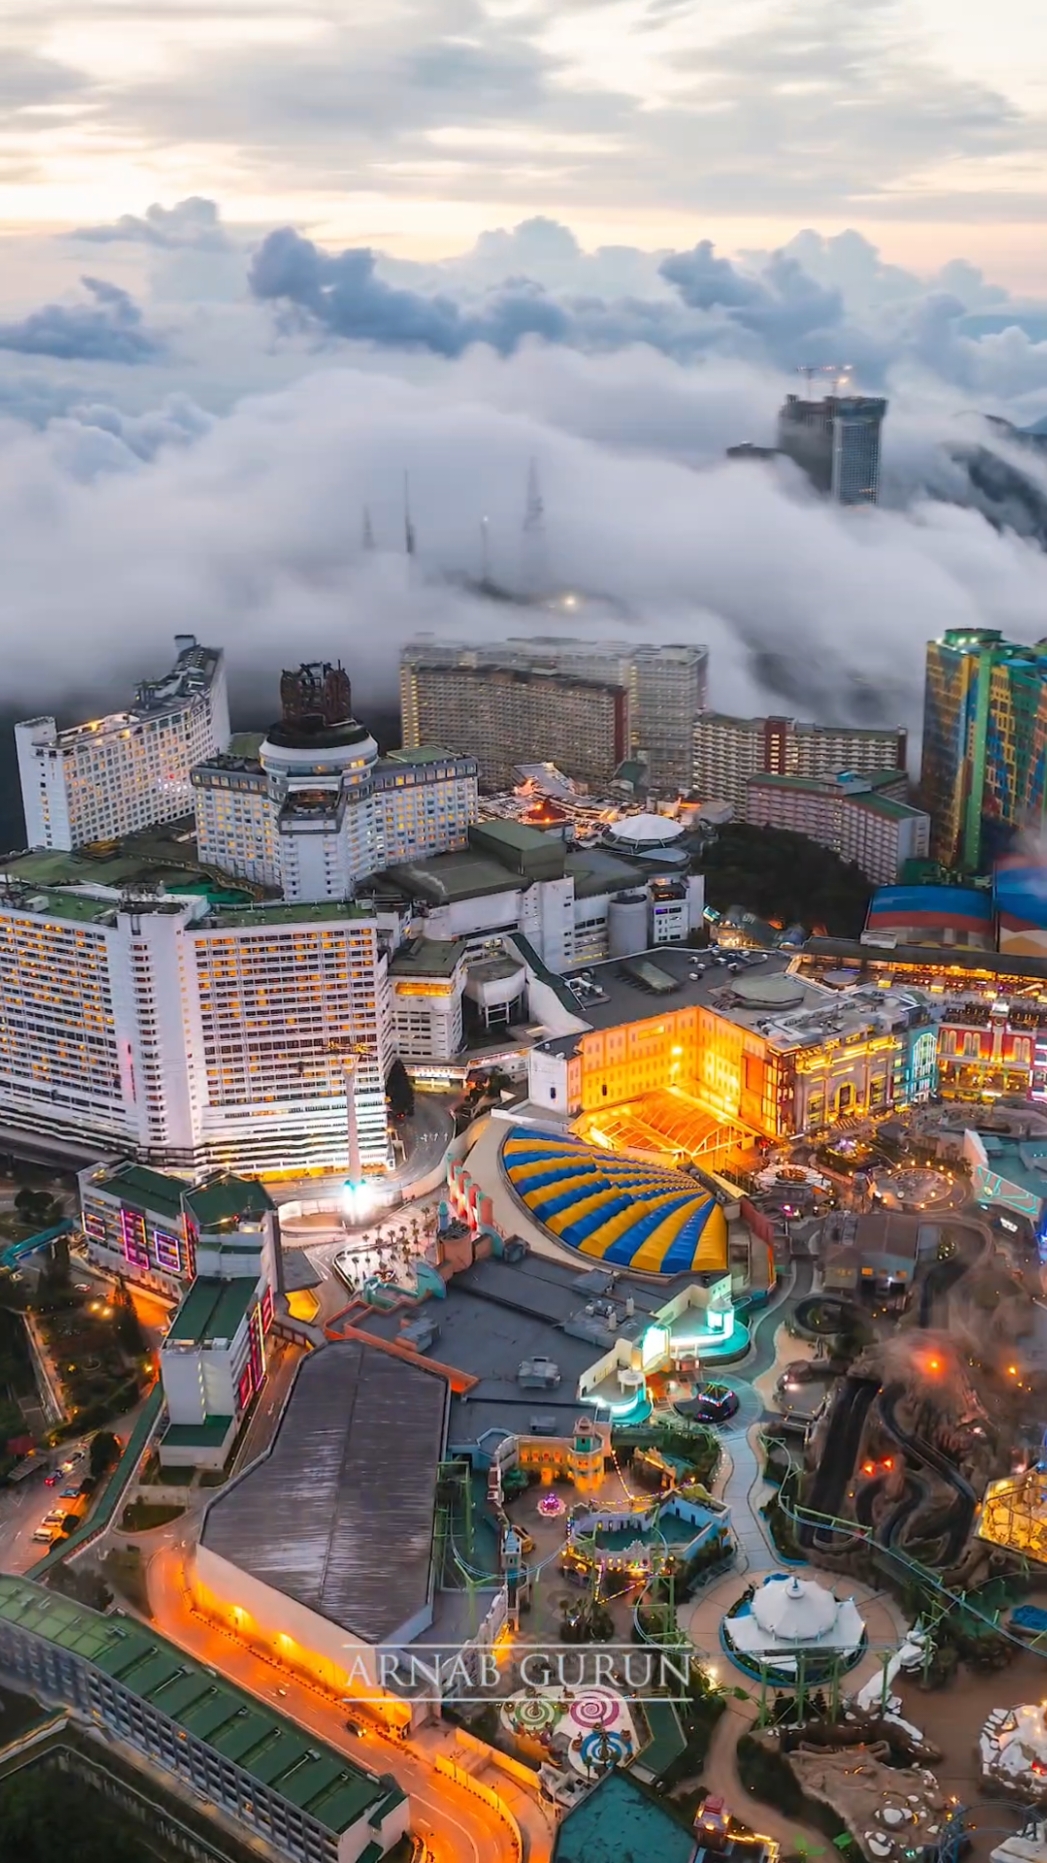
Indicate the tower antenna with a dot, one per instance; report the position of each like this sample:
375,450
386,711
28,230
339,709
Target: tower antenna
535,570
368,531
485,551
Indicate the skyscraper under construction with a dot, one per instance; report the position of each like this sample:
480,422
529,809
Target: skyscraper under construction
836,441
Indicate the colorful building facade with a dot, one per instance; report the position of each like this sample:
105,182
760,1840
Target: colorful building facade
984,742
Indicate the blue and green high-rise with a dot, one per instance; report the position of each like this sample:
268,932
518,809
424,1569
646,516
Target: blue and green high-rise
984,743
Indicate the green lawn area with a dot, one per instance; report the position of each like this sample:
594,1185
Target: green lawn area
139,1516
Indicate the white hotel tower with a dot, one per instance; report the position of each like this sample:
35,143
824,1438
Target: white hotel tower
130,770
315,810
192,1037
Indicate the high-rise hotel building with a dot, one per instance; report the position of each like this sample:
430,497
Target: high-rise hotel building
984,743
583,705
130,770
729,752
312,809
190,1037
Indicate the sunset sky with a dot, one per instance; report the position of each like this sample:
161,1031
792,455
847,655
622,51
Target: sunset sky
415,124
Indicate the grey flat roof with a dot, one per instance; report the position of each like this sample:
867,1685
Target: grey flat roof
499,1313
619,997
339,1515
446,877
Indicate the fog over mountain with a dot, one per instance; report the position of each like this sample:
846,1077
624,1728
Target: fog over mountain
174,457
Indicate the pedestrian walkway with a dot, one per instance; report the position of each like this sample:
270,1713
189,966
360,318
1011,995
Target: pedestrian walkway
742,1495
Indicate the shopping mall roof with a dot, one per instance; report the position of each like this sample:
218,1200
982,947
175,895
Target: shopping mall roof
633,989
339,1513
498,1314
289,1760
614,1210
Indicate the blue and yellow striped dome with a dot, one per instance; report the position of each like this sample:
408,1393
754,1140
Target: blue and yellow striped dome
627,1215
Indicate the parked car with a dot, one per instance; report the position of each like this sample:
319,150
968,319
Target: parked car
43,1536
71,1494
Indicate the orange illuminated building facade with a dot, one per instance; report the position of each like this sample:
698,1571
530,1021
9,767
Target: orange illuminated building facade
803,1060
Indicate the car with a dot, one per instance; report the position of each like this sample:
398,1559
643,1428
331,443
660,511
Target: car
52,1480
71,1494
81,1287
43,1536
54,1519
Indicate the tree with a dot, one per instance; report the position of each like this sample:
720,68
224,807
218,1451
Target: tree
128,1329
37,1206
104,1451
399,1091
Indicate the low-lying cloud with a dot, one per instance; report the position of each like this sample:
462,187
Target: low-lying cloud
249,531
108,327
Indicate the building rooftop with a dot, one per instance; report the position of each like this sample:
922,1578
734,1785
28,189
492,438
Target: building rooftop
339,1513
245,744
141,1188
445,878
614,1210
1022,1162
497,1314
967,967
163,857
269,1748
211,1310
225,1199
787,1007
259,917
428,957
618,1822
425,753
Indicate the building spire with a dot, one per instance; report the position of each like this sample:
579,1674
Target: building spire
409,536
485,551
368,530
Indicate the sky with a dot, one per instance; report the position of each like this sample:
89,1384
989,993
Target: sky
418,124
259,263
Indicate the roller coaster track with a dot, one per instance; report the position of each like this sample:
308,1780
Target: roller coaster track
806,1517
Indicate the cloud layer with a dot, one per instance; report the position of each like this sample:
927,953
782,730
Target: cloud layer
107,327
248,529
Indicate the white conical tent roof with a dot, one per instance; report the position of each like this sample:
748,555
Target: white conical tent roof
796,1611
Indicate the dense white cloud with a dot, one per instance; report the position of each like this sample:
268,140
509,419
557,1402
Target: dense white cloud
249,533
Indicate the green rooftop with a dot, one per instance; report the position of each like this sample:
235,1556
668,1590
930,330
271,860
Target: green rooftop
423,753
621,1823
300,1766
260,916
245,743
211,1310
227,1198
210,1434
145,1190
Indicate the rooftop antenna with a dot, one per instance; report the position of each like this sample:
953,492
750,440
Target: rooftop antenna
368,531
535,574
485,551
409,536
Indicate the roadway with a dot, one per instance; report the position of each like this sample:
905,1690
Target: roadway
457,1826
